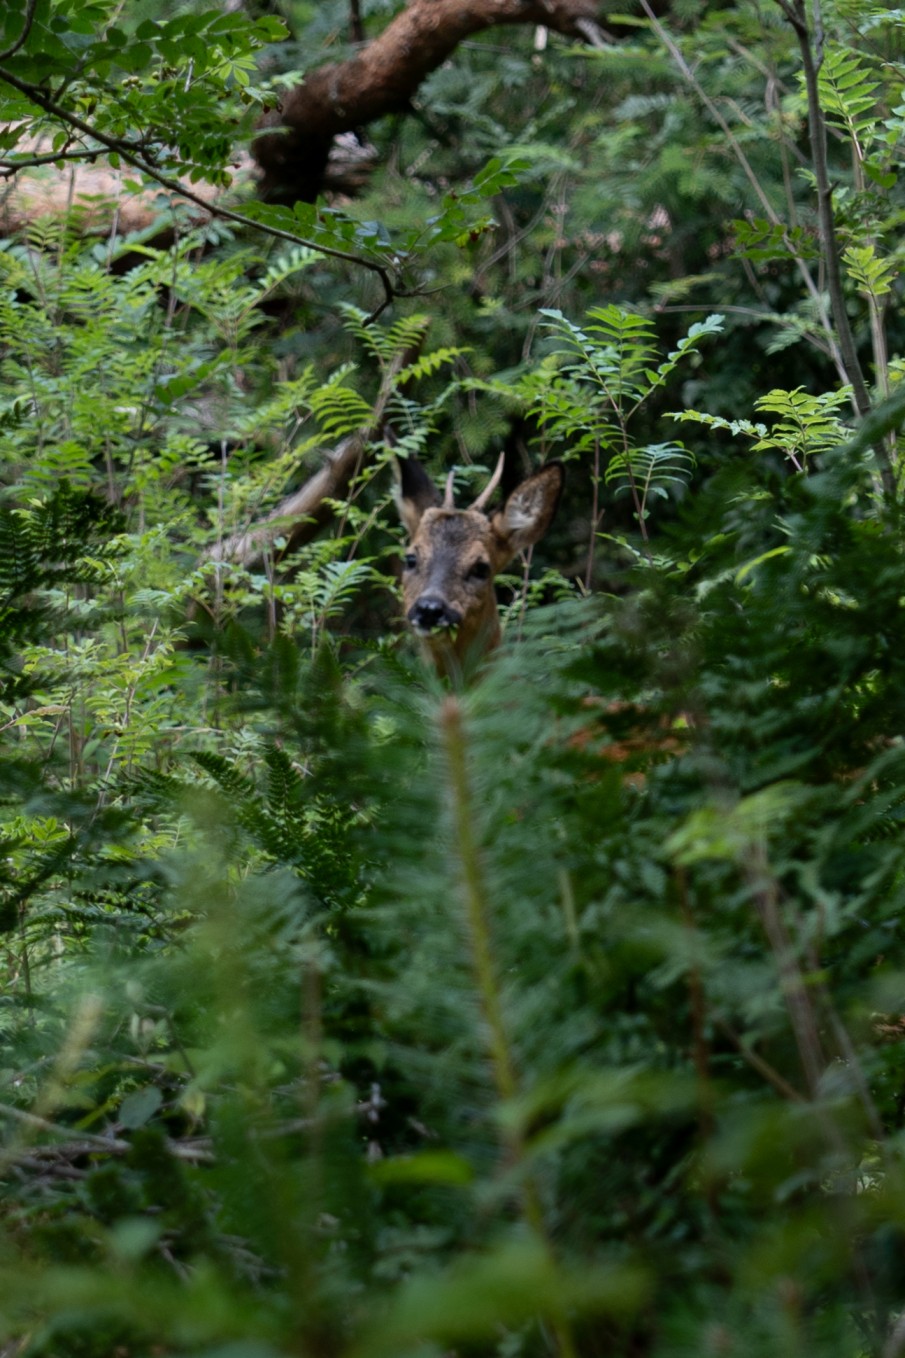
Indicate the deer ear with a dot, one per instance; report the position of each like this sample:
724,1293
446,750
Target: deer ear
528,513
414,492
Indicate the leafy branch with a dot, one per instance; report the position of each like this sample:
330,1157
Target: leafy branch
133,155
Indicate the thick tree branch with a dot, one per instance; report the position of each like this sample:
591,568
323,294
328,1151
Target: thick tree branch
383,77
297,518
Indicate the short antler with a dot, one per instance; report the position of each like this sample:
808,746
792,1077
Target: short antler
448,502
492,484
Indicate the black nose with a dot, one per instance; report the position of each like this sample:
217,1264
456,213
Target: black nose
431,613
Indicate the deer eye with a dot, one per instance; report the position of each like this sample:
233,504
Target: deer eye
410,561
480,570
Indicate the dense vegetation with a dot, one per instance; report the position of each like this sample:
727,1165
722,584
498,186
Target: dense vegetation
347,1014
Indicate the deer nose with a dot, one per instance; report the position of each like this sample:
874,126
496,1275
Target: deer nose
431,613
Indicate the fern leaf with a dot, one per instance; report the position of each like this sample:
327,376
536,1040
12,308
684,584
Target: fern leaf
428,364
653,469
339,409
848,94
872,275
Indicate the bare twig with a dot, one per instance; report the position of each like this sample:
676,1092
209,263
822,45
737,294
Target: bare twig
85,1143
757,1062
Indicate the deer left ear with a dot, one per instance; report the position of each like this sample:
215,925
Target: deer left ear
529,511
413,491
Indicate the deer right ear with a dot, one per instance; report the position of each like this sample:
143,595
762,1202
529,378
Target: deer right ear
414,492
529,511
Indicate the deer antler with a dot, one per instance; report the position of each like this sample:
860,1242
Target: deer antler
448,497
492,484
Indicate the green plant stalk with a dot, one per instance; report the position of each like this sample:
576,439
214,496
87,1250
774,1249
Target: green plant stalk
875,310
477,913
476,899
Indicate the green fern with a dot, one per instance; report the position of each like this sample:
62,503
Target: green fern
431,363
340,410
614,350
848,94
873,276
380,341
654,470
807,424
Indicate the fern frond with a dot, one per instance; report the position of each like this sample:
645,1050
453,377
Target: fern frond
734,427
224,773
428,364
339,409
290,262
807,424
615,350
407,331
872,275
285,784
654,470
383,343
848,93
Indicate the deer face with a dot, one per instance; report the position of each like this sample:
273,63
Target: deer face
454,556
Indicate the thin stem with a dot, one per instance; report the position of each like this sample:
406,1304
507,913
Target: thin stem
698,1006
753,180
475,900
795,13
757,1062
26,29
595,515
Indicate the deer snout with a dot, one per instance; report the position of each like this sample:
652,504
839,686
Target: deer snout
431,614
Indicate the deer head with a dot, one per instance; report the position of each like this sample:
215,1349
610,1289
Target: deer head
454,556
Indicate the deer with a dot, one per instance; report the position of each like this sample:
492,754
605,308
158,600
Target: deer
454,556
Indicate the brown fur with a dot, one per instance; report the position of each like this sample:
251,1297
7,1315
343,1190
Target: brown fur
454,556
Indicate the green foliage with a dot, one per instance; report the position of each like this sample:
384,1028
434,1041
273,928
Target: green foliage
849,94
345,1014
136,83
805,424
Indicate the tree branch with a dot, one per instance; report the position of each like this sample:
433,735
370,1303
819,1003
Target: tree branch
299,515
26,29
383,77
129,154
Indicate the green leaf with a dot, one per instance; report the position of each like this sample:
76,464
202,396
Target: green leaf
140,1106
427,1167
